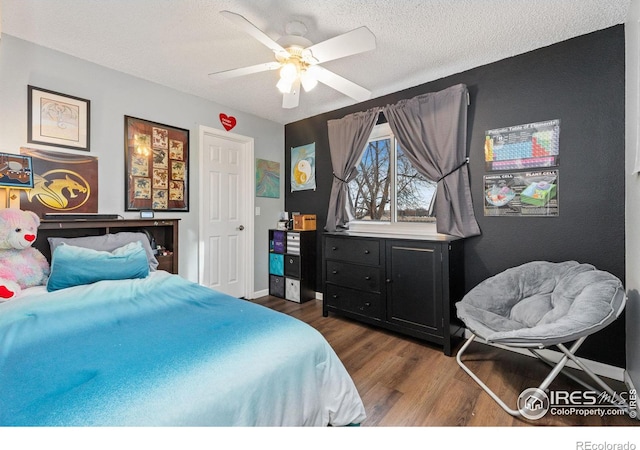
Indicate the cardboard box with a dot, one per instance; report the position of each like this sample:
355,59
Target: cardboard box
304,222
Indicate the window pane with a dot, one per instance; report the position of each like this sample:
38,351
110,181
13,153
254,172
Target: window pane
414,192
371,188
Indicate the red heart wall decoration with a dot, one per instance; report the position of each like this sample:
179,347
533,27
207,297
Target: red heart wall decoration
228,122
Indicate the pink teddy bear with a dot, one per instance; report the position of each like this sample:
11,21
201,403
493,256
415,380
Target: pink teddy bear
21,266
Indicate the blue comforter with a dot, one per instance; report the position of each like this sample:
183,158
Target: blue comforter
162,351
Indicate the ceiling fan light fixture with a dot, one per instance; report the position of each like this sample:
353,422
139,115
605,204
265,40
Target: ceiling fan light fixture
308,79
289,72
284,86
298,59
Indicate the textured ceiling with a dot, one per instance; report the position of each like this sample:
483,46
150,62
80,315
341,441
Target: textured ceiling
177,43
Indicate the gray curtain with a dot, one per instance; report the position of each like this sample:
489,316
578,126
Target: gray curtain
347,139
432,131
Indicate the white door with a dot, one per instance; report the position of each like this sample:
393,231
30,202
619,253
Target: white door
226,212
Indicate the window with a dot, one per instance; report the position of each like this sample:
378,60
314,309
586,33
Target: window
388,191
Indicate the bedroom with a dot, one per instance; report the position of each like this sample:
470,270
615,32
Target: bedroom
602,232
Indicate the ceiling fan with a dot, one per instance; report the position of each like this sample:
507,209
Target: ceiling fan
298,59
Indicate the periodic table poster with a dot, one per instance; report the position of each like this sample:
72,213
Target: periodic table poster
523,147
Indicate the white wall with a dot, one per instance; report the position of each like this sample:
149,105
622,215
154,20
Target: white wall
114,95
632,207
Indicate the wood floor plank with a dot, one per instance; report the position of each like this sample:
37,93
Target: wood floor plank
405,382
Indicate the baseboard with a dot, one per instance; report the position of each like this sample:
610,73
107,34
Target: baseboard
601,369
258,294
265,292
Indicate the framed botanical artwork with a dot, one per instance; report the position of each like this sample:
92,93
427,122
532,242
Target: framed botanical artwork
58,119
156,166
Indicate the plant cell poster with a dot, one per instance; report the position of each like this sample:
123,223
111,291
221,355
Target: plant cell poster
521,194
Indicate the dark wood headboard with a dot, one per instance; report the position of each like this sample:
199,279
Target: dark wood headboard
165,232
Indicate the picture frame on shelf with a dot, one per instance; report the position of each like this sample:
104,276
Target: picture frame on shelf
16,171
156,166
57,119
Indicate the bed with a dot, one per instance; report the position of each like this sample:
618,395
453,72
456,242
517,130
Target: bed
158,350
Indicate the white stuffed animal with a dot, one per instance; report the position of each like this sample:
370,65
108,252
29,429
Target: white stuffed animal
21,266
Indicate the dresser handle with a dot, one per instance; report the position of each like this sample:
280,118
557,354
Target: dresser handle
388,280
367,304
367,278
366,252
334,248
335,296
335,272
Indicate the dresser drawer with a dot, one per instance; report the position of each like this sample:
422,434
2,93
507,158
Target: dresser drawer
293,243
354,276
362,251
292,290
358,302
276,286
292,266
279,242
276,264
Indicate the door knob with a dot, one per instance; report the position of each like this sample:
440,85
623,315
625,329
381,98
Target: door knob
241,227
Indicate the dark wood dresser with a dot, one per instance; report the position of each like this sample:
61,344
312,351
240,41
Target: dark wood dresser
407,285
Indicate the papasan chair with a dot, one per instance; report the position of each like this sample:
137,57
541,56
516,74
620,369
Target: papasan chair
538,305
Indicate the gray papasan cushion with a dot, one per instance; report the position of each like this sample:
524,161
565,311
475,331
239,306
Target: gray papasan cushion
542,303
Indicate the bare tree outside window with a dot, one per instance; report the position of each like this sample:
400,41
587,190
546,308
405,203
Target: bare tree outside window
370,194
414,191
380,193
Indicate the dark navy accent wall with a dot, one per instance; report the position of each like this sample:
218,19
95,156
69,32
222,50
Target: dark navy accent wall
579,81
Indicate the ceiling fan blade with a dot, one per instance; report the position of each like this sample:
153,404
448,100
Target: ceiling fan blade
232,73
350,43
252,30
292,99
340,84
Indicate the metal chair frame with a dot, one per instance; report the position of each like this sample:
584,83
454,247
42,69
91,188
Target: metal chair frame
556,369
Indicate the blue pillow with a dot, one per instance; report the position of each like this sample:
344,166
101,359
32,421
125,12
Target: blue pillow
74,266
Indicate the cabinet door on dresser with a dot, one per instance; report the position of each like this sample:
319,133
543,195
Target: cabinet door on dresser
414,285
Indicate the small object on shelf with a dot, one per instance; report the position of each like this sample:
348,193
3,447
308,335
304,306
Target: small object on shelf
304,222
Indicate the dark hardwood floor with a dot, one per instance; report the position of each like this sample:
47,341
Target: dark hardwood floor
404,382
